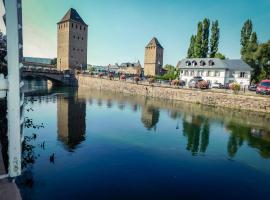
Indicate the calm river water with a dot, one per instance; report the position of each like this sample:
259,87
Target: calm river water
115,146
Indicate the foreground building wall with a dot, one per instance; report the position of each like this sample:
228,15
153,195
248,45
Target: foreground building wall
241,102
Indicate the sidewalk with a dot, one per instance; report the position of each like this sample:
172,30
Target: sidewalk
8,189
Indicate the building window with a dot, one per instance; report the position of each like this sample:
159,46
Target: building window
208,73
202,63
76,26
72,25
84,28
186,73
80,27
58,26
73,49
82,38
217,73
194,63
78,37
211,63
188,63
74,36
242,74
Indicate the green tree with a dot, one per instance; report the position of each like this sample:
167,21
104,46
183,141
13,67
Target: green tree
220,56
262,60
214,41
245,36
3,53
205,37
249,56
190,53
198,52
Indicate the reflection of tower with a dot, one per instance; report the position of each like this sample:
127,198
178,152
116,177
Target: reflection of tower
71,121
150,117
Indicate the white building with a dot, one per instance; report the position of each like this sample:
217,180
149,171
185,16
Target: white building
215,70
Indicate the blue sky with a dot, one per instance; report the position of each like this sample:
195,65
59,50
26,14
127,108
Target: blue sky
120,29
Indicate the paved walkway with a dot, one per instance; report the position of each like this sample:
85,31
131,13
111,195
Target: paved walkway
8,189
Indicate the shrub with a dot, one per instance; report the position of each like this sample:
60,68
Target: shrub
235,87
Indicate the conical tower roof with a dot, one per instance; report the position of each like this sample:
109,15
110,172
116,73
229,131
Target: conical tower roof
72,15
154,42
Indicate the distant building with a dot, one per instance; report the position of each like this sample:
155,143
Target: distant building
215,70
153,59
71,42
130,68
32,62
47,61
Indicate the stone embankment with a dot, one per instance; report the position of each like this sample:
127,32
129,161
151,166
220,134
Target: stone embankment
205,97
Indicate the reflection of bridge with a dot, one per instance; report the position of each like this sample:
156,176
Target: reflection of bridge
54,75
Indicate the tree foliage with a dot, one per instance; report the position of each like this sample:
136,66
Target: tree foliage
171,74
205,37
214,41
190,53
255,54
3,53
220,56
198,43
246,36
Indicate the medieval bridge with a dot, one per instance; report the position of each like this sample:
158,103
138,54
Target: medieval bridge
57,77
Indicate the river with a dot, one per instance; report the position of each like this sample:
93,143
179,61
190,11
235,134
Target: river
86,144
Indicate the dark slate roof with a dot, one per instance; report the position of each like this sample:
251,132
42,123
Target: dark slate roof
128,64
154,42
72,15
231,64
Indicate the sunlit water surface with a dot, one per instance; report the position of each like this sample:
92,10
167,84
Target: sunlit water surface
115,146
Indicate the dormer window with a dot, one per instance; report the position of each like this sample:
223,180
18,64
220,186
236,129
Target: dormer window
188,63
194,63
211,63
202,63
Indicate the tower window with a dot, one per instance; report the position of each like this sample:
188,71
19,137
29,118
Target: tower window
82,38
76,26
84,28
72,25
80,27
78,37
74,36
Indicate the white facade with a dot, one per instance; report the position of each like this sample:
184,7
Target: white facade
215,70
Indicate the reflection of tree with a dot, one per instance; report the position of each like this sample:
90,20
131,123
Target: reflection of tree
150,117
196,129
253,137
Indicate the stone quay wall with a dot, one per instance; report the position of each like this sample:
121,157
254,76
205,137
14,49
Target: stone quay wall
204,97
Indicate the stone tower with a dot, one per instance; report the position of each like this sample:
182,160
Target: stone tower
153,59
71,42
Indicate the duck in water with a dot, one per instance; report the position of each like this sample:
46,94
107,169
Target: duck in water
52,158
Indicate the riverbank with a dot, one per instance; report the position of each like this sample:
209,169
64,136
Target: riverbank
204,97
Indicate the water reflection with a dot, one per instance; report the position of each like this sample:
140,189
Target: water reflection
242,126
255,138
196,129
150,117
71,121
112,148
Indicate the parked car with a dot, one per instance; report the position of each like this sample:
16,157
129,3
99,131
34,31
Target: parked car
263,87
252,87
198,82
217,85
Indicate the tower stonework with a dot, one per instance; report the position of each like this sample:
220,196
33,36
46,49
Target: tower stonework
72,34
153,59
